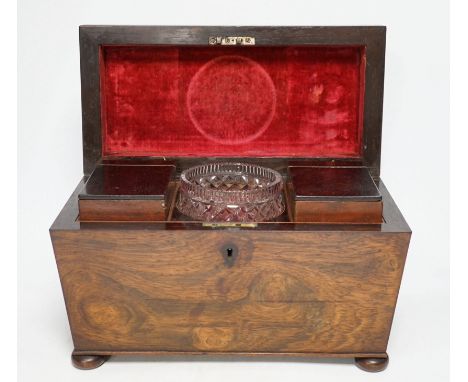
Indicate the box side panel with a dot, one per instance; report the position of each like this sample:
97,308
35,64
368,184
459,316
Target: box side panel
338,212
122,210
305,292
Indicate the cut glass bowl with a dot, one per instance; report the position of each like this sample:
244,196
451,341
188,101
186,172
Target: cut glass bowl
231,192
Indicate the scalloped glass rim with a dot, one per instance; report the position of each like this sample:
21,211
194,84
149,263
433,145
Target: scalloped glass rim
263,193
231,191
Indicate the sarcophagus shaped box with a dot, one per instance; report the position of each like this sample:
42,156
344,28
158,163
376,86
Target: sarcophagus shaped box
140,276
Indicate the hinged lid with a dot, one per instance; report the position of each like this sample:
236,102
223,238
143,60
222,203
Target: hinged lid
292,92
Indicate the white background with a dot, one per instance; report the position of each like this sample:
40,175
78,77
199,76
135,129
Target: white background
414,168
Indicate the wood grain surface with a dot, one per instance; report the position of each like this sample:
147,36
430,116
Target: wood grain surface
122,210
322,292
338,212
321,183
128,181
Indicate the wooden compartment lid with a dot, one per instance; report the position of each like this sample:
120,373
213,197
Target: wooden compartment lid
123,192
127,182
334,195
334,184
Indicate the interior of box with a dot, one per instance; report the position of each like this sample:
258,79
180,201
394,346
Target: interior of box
132,190
193,102
251,101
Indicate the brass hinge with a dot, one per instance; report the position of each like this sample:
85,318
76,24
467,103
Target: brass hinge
231,40
230,225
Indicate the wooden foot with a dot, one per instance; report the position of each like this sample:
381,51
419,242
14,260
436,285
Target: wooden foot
372,365
88,362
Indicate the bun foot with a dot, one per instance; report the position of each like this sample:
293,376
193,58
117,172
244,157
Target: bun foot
88,362
372,365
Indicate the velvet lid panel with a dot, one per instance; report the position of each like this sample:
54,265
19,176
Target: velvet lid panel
179,101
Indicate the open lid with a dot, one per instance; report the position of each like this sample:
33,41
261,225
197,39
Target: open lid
292,92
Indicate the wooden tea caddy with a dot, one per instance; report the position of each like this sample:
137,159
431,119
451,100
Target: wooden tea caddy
139,278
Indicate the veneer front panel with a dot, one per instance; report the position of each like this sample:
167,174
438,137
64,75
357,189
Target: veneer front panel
180,290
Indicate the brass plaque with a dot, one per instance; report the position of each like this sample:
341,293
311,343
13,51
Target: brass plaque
231,40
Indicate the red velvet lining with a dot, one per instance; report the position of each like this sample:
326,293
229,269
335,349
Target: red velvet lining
232,101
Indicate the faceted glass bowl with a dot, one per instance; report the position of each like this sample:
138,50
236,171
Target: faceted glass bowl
231,192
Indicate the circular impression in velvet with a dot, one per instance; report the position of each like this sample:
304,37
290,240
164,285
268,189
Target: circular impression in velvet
231,100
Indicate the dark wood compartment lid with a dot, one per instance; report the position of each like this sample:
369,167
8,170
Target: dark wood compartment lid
127,182
333,184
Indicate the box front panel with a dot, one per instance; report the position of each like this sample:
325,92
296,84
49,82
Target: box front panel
248,291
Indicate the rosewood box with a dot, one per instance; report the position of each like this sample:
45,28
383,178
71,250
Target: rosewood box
140,277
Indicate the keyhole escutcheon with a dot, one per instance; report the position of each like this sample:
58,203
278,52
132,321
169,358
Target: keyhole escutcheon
229,252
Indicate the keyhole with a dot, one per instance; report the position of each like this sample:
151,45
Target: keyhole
230,253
